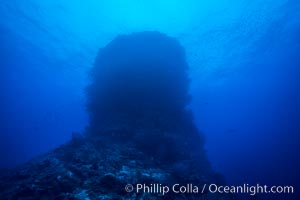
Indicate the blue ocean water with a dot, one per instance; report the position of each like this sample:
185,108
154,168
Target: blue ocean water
244,71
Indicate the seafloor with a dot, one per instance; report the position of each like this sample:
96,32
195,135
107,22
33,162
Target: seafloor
88,169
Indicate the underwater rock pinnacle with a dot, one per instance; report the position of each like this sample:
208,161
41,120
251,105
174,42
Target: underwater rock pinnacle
140,132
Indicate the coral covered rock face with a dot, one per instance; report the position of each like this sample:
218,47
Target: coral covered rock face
139,80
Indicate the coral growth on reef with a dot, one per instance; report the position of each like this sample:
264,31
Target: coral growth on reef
140,131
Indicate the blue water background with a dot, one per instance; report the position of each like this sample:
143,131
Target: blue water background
244,66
